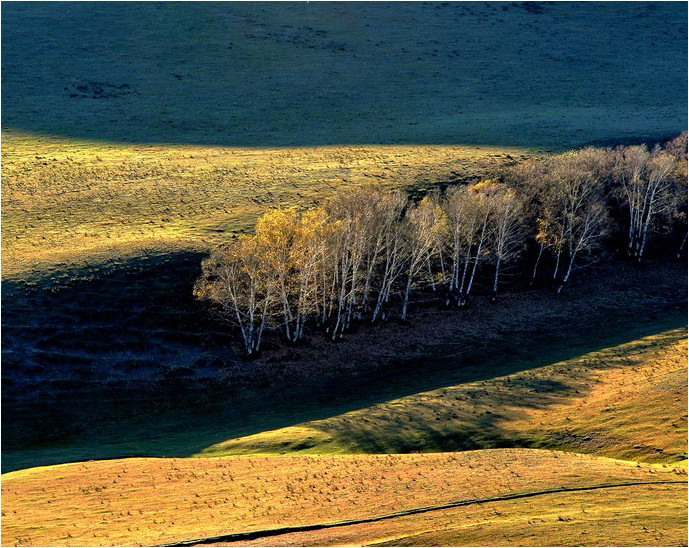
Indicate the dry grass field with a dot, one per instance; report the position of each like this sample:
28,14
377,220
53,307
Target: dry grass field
186,123
641,515
135,138
626,402
156,501
84,203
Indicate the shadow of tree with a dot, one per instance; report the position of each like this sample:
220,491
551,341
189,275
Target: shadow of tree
582,402
87,353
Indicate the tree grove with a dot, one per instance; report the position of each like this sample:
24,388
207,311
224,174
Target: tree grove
367,251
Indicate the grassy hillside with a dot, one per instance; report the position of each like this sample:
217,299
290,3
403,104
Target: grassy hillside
625,401
236,107
628,401
76,203
308,74
155,501
54,350
633,516
137,136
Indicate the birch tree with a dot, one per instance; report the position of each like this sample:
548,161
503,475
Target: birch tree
347,250
386,256
469,213
480,204
369,251
677,148
325,242
238,280
644,181
276,233
367,247
424,224
531,177
462,220
357,250
578,212
291,253
508,219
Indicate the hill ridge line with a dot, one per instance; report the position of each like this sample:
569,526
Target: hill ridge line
251,535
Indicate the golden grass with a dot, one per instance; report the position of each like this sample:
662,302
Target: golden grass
155,501
68,201
628,401
629,516
632,516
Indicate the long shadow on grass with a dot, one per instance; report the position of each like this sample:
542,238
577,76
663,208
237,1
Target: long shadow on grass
480,415
93,324
140,320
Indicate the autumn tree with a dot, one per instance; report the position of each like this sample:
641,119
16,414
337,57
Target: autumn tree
484,223
425,225
530,177
367,248
386,256
480,196
576,216
366,251
569,193
237,279
507,217
325,243
356,250
677,148
291,253
644,183
461,221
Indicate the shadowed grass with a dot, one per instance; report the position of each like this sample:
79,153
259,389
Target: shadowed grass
627,401
304,74
443,349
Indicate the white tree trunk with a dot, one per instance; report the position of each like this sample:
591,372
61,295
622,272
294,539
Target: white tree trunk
535,268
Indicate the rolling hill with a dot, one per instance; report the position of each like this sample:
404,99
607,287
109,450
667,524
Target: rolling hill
179,124
162,501
135,136
627,401
304,74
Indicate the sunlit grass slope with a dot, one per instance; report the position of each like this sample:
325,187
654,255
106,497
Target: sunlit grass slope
627,401
72,202
155,501
230,108
625,516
